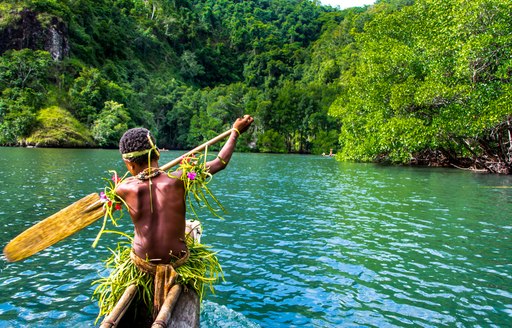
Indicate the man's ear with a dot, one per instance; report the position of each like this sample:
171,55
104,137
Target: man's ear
129,165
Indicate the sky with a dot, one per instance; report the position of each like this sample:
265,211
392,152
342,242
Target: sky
347,3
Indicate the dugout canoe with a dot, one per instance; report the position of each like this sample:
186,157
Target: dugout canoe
181,308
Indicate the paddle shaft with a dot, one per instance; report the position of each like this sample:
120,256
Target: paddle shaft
197,149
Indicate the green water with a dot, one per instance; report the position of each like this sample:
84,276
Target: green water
306,242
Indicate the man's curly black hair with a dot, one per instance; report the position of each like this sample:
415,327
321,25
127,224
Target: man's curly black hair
136,140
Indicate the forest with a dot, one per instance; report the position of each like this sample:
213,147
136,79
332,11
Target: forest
425,82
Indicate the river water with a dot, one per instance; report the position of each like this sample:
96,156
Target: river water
307,242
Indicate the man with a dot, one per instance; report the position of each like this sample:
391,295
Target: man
157,207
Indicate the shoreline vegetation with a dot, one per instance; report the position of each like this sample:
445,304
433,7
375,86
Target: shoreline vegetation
400,82
429,160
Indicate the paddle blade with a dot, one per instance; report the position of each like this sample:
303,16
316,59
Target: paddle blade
55,228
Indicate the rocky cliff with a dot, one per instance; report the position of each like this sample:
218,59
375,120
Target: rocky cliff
28,29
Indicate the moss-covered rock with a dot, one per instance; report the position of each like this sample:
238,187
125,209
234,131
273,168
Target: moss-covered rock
56,127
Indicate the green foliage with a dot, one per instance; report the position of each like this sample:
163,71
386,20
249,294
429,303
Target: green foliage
91,90
178,109
210,111
271,142
57,128
112,122
86,94
16,125
324,141
8,14
189,67
155,58
24,69
23,75
427,77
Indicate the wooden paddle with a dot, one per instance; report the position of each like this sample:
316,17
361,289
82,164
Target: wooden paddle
73,218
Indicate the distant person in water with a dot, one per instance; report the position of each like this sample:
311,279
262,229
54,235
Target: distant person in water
330,153
157,206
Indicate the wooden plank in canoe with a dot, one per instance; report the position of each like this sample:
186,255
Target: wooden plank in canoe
187,311
186,314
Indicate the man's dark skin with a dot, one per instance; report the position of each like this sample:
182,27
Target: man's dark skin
160,232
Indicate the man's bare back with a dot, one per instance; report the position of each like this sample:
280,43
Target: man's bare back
159,227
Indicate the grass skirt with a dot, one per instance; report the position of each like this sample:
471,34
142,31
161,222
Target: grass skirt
201,268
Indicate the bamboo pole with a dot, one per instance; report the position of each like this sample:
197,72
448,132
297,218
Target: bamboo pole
115,316
197,149
164,316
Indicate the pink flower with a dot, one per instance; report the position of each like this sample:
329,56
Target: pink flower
116,179
191,175
103,197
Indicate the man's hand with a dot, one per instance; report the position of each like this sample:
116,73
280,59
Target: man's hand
243,123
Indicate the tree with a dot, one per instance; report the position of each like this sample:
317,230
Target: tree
22,78
272,141
110,125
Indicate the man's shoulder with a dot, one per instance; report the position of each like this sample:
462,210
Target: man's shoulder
133,183
169,179
129,184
